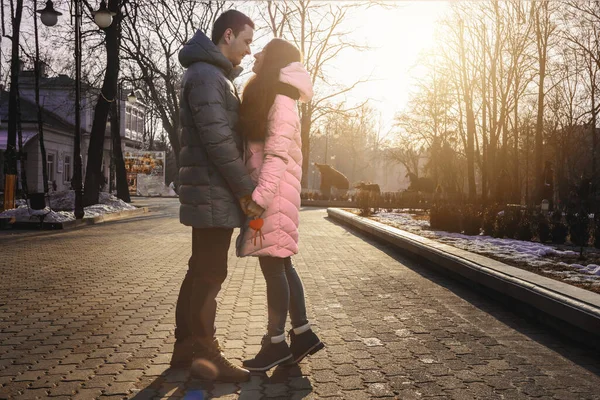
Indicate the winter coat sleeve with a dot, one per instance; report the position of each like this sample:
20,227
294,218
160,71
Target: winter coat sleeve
282,123
207,102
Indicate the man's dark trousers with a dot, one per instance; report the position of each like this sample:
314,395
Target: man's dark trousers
207,270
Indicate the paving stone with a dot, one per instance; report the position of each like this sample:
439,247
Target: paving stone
328,390
65,389
250,395
99,322
118,388
351,382
87,394
380,390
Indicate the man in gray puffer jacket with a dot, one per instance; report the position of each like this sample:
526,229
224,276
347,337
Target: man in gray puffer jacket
214,190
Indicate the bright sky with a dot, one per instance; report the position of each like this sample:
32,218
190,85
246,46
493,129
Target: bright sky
397,35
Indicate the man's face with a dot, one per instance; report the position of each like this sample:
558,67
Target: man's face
238,46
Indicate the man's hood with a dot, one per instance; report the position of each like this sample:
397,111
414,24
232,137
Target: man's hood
201,49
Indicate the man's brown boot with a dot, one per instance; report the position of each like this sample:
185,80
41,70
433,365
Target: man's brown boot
210,363
183,353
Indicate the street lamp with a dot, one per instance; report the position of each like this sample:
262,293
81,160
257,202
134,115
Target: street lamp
131,97
49,17
103,17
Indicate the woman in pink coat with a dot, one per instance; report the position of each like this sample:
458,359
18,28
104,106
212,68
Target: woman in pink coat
271,127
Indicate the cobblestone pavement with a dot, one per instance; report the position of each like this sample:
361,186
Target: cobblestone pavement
88,313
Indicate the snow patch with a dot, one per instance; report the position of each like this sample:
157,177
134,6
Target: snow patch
532,253
60,208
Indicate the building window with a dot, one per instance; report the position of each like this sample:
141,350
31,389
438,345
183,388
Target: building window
128,119
50,166
67,169
140,123
137,121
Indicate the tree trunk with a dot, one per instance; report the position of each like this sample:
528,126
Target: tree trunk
115,132
542,46
93,175
470,120
39,108
594,136
527,134
306,113
484,106
22,155
539,129
10,155
516,186
470,154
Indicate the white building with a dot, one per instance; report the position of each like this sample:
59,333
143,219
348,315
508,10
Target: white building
58,103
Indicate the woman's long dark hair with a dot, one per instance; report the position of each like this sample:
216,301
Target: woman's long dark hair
261,89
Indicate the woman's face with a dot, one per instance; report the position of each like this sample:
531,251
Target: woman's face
259,57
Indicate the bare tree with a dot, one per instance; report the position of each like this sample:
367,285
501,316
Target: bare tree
467,85
10,167
582,32
108,94
152,37
566,113
544,27
37,103
406,151
317,29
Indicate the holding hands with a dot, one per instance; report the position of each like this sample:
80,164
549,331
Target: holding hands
250,207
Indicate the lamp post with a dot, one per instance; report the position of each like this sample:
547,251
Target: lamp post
103,18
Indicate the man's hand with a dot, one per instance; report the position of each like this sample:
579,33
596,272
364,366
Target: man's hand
244,201
254,210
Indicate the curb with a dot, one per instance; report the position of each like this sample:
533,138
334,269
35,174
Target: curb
567,306
327,203
74,224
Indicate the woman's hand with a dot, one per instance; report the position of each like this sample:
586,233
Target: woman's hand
253,210
244,201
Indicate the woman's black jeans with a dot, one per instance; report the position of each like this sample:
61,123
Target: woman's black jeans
284,291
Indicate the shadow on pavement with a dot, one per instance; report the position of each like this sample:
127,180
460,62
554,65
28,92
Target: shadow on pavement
518,316
178,383
284,382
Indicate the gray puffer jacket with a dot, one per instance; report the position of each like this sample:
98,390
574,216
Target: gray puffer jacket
212,174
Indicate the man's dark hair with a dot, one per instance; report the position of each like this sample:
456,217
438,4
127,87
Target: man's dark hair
230,19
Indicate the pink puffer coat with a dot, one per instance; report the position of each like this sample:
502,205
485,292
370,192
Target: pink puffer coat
276,167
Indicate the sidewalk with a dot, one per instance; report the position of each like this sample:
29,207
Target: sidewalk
88,313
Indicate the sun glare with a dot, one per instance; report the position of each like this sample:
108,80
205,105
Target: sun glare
397,34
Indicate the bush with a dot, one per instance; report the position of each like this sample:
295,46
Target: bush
596,230
512,219
435,217
499,230
489,220
524,230
471,221
542,228
444,218
367,200
558,229
579,228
